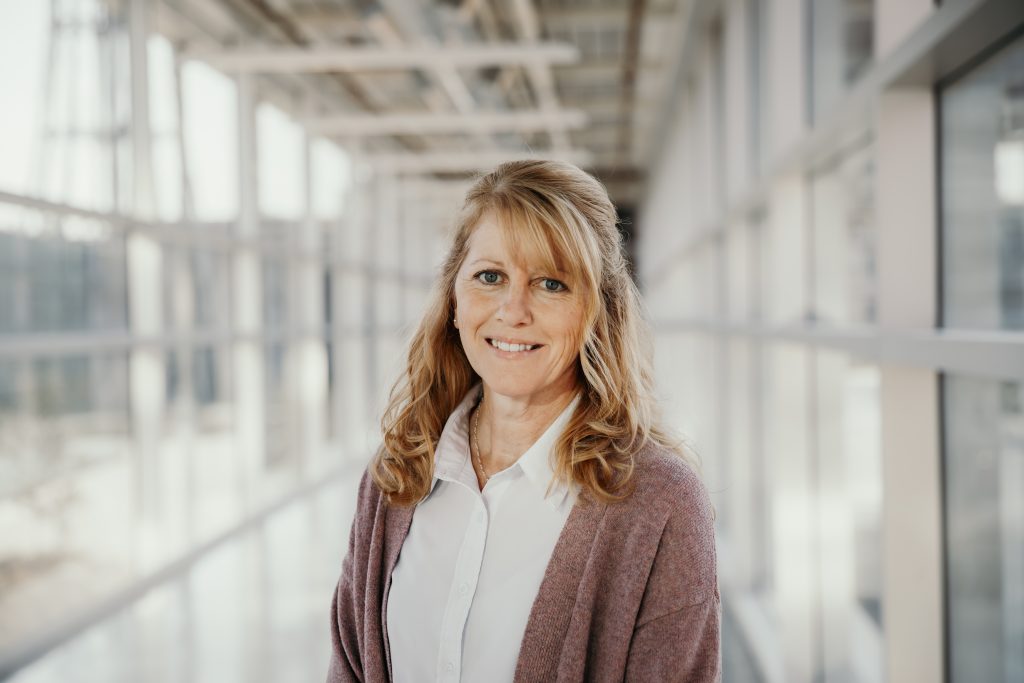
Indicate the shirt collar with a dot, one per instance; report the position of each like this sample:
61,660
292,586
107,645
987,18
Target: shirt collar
537,462
451,458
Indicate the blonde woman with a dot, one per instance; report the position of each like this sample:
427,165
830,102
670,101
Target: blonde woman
526,519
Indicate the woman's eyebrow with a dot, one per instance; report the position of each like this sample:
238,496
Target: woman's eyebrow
502,265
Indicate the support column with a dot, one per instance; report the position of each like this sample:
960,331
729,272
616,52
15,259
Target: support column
895,20
247,308
145,266
786,104
386,304
310,380
911,422
787,421
373,293
184,318
350,311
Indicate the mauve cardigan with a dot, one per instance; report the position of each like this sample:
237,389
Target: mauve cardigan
630,592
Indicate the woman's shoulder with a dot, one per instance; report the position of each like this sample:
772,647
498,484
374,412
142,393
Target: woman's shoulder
666,485
661,472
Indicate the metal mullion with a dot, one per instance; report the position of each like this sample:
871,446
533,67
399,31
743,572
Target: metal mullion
997,354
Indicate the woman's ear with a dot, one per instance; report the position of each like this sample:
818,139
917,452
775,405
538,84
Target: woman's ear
455,318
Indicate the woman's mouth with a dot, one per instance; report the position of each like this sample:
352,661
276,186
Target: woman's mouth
513,347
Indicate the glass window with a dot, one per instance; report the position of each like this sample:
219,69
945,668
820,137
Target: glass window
163,112
274,279
757,67
60,413
277,426
210,115
983,194
842,41
673,354
741,272
46,107
844,240
211,281
984,479
13,283
849,518
24,28
69,285
330,178
742,517
789,510
281,167
783,239
703,282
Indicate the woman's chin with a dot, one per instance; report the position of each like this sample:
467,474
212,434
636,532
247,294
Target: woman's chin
501,387
522,390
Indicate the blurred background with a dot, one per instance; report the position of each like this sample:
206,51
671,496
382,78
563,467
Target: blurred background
219,220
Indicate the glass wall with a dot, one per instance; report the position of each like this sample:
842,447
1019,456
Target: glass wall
848,468
141,352
841,43
985,528
983,289
983,194
844,240
789,427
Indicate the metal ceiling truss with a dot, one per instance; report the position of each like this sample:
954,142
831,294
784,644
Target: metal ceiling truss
361,59
442,88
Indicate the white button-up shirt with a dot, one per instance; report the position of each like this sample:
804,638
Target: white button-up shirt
473,561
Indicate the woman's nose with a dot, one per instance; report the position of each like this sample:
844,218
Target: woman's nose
515,307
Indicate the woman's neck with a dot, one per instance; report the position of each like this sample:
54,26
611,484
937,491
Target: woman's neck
507,426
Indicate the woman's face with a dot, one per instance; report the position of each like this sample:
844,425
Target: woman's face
520,325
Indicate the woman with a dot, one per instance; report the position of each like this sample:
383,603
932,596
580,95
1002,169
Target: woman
526,519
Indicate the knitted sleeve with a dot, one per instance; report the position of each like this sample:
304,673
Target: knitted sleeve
678,629
680,646
347,606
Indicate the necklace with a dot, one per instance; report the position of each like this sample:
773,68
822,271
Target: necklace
476,440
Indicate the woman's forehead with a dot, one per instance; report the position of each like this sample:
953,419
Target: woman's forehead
506,244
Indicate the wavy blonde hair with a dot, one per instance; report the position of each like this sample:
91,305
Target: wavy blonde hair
562,216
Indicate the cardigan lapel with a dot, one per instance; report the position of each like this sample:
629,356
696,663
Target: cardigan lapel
399,519
552,609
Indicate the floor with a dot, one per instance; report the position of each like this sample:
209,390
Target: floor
253,610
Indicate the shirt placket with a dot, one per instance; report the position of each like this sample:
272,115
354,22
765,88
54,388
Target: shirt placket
460,597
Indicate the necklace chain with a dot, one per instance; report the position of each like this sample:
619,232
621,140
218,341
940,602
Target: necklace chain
476,439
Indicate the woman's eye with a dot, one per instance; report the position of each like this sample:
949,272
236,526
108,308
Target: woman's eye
553,285
488,277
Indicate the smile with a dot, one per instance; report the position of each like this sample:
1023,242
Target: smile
512,347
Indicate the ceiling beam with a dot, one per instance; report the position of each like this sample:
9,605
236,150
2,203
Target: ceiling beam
541,77
592,18
321,59
433,123
463,162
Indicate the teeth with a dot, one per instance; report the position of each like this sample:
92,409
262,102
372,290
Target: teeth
511,347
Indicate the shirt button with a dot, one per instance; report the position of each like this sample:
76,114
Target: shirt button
463,588
449,667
